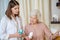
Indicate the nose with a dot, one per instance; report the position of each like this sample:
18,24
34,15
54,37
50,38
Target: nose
17,10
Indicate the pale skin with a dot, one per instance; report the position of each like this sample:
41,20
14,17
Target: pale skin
40,30
15,10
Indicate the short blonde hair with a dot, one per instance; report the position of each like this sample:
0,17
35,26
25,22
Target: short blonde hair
37,13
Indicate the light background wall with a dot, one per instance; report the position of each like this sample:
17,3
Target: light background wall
54,11
26,6
3,7
44,6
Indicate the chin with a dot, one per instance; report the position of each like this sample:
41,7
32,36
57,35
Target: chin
16,14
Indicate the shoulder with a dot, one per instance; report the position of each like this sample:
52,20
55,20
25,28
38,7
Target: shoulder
43,25
4,19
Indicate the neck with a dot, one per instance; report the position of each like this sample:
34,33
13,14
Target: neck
13,16
33,23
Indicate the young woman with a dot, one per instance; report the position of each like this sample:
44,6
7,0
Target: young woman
11,22
38,28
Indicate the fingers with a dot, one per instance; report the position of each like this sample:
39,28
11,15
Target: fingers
17,35
26,38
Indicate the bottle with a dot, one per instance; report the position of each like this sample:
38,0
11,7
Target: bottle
20,31
29,36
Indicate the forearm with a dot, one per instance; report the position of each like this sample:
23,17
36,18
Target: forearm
49,38
16,35
12,36
54,36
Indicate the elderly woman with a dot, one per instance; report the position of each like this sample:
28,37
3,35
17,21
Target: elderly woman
38,28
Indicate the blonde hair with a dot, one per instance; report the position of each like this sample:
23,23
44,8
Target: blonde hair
36,13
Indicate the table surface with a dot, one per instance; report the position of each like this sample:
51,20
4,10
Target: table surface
57,38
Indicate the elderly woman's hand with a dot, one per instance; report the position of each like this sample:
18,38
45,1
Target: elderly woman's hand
26,38
57,33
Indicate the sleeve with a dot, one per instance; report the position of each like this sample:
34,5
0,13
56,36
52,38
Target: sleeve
19,20
3,34
21,23
26,31
47,32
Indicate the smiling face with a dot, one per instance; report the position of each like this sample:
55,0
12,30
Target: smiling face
15,9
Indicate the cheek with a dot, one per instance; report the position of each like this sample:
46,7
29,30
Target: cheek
12,10
35,20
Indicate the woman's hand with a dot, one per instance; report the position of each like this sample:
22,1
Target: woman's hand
17,35
14,35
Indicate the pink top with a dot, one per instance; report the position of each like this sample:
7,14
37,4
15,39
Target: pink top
39,30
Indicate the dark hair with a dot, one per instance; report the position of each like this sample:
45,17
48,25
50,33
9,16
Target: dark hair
11,4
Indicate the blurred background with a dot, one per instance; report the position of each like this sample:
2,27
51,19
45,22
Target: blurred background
49,10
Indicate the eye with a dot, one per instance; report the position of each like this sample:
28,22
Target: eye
15,8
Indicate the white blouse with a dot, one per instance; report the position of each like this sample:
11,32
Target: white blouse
8,26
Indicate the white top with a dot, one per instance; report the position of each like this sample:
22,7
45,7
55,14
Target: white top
8,26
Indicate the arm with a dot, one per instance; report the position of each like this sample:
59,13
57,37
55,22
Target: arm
3,31
26,34
47,32
14,35
3,34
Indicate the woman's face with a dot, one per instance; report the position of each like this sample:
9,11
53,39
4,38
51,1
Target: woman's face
15,9
33,19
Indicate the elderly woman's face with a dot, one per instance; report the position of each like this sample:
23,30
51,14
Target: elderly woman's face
33,19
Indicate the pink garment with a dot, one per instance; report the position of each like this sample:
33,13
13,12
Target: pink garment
38,31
